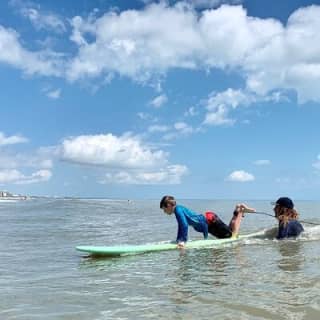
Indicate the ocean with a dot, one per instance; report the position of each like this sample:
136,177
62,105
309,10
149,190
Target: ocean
42,276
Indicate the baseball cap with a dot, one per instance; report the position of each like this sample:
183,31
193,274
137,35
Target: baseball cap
284,202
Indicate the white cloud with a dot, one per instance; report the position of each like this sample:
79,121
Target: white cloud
204,4
230,97
44,21
285,180
41,158
15,161
9,176
108,150
158,128
39,19
171,174
291,59
201,4
144,44
159,101
127,159
191,112
262,162
147,117
9,140
46,63
147,43
144,116
240,176
218,117
12,166
13,176
54,94
219,105
317,163
183,128
180,129
138,44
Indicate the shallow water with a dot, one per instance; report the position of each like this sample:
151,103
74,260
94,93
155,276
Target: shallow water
43,277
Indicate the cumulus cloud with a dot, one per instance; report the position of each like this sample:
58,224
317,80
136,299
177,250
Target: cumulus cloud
262,162
126,158
218,116
18,160
44,21
186,39
285,180
13,176
142,44
159,101
147,117
39,19
201,4
54,94
316,164
138,44
183,128
191,112
229,97
205,4
219,105
108,150
46,63
9,140
12,166
145,44
171,174
158,128
180,129
240,176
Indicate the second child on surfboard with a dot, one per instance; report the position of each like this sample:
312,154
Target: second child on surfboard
208,223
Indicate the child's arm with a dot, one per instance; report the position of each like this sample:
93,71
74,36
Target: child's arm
182,235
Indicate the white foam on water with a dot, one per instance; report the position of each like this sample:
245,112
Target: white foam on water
311,233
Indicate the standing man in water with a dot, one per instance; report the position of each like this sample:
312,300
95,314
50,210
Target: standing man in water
289,226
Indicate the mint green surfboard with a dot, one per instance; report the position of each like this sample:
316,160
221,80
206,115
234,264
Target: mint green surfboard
124,250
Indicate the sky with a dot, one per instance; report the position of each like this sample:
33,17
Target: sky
135,99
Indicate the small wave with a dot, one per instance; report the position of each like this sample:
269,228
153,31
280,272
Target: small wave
311,233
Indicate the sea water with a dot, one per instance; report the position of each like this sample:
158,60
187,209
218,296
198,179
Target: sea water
42,276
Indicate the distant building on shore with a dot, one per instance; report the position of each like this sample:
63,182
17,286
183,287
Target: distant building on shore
6,195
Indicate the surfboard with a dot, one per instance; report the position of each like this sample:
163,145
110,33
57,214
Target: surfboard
123,250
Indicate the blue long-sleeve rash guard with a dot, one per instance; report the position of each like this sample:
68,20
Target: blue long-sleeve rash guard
185,217
292,229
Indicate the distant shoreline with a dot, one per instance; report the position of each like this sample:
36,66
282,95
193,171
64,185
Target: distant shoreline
13,198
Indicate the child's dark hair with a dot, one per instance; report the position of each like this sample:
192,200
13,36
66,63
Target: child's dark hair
166,200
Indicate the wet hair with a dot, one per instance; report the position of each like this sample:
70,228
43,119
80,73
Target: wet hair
284,215
167,200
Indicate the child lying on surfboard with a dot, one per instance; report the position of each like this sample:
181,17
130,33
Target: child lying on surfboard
208,223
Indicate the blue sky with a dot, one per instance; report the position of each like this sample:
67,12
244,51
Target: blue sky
137,99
